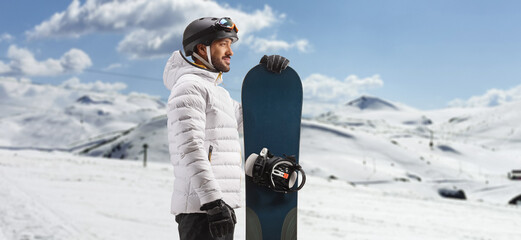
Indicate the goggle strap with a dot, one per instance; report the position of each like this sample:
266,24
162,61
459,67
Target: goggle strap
232,28
206,31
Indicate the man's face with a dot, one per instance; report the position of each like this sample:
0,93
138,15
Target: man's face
221,54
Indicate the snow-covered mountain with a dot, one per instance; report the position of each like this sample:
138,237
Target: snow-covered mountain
468,149
367,141
371,103
492,127
54,117
372,164
130,144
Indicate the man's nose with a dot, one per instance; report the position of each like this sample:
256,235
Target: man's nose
230,52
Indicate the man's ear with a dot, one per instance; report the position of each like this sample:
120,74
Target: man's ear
201,50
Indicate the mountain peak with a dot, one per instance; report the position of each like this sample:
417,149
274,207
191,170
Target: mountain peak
371,103
89,100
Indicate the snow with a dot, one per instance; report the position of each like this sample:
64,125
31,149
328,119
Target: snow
57,195
51,117
371,103
473,149
61,196
371,169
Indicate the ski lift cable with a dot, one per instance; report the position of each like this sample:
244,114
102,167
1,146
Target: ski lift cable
126,75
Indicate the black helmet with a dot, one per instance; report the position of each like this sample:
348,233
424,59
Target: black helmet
206,30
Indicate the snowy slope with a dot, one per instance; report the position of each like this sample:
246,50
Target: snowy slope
372,171
490,127
129,144
380,152
63,196
45,116
367,141
494,128
472,149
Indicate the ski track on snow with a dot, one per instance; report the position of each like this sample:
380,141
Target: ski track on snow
27,218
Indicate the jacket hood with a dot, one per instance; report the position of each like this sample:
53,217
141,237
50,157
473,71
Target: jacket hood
177,66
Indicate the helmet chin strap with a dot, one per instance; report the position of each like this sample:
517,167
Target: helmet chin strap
209,53
208,63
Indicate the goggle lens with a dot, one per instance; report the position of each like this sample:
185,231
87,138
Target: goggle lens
228,23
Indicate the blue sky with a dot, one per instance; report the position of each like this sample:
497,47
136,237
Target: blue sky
426,54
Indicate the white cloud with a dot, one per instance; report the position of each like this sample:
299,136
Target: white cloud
263,45
152,28
4,68
492,97
322,88
113,66
75,60
24,63
144,95
13,79
6,37
98,86
143,43
323,93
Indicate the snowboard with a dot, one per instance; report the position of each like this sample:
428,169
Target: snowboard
272,111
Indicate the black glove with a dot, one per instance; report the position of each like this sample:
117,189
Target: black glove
221,218
275,63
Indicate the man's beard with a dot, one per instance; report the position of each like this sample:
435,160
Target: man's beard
219,64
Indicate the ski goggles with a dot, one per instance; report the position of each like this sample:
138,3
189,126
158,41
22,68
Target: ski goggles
227,24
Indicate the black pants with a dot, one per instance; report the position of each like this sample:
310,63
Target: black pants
195,226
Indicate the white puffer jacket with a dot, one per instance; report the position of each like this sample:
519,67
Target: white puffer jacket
201,115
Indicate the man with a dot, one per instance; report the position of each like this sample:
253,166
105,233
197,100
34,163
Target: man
203,130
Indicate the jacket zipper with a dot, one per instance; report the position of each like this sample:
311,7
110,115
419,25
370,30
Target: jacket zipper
210,153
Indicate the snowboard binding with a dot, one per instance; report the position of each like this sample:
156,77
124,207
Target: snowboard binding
276,173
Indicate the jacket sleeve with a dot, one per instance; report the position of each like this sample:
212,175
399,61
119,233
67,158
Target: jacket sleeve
238,115
187,117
